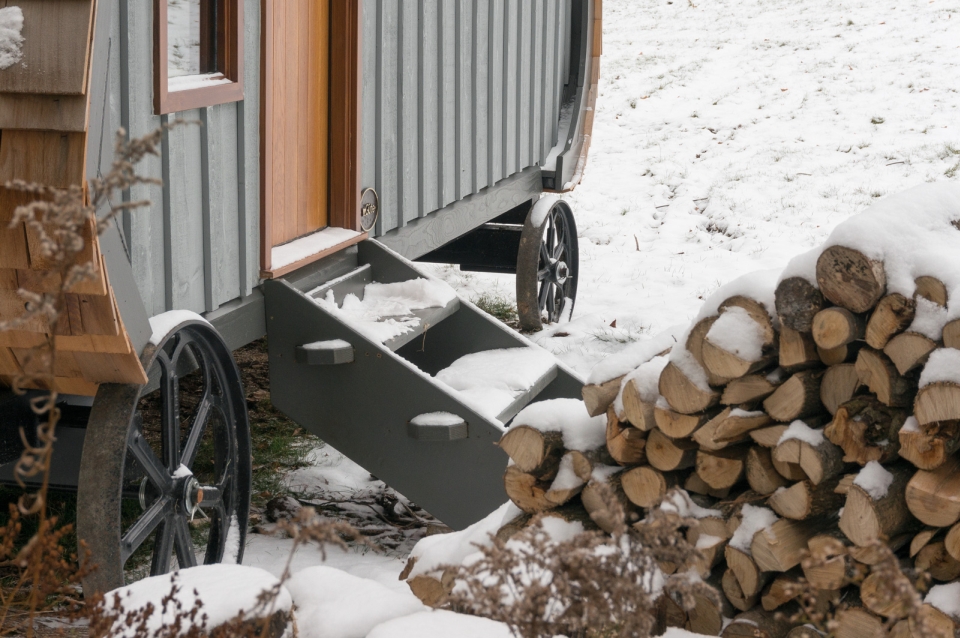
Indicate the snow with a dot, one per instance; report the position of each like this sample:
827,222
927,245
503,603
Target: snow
800,431
11,41
566,478
602,473
910,425
231,546
386,310
930,317
737,333
753,520
298,249
803,266
441,624
635,355
946,598
681,503
646,379
942,366
201,81
874,480
161,325
225,590
540,210
581,432
738,413
433,552
489,381
436,418
758,285
331,603
674,632
689,366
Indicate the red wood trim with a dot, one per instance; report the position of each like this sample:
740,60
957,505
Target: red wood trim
279,272
231,64
266,134
344,184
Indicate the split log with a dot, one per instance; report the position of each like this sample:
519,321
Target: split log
781,590
805,631
761,474
431,590
819,462
875,594
667,455
951,334
757,311
935,623
751,579
572,512
730,426
867,430
798,397
683,394
695,340
931,289
759,624
798,350
866,519
706,618
635,410
646,486
780,547
598,397
670,613
790,471
937,402
909,351
834,327
677,425
874,554
710,551
532,451
798,301
723,468
508,530
844,354
733,593
727,365
952,541
933,496
566,485
826,566
929,446
857,622
937,561
840,383
768,437
526,491
696,485
584,462
596,505
922,538
625,443
748,390
893,314
805,500
878,373
850,279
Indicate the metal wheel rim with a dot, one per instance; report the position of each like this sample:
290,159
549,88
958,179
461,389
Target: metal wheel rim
117,431
547,268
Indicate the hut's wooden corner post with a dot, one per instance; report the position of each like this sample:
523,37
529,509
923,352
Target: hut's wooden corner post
344,204
266,133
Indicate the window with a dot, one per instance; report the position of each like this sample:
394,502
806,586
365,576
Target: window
198,53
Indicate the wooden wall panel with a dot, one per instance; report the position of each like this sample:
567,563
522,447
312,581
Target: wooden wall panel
43,112
56,48
345,101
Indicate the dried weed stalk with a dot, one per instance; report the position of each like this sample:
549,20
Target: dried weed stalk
592,584
63,220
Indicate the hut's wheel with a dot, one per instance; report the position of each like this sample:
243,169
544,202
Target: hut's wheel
165,476
548,263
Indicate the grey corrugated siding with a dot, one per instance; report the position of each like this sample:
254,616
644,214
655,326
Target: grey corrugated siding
457,95
196,246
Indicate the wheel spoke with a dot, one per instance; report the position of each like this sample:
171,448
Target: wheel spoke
552,303
145,456
140,530
543,274
544,255
183,543
170,413
198,426
544,293
551,232
162,548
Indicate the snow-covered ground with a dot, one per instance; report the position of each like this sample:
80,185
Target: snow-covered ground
730,136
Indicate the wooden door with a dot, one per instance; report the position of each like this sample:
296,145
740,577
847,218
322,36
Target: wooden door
295,119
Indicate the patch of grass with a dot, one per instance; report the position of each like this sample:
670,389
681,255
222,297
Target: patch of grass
952,171
877,120
498,307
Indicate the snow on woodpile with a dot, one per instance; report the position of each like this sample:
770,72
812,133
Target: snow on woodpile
441,624
943,366
224,590
11,40
753,521
635,355
946,598
874,480
569,417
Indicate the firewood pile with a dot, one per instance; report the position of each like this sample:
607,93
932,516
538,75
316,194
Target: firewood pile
801,407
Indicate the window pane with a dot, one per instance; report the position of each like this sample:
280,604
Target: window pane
191,37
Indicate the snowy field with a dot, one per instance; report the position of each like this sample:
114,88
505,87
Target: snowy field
729,137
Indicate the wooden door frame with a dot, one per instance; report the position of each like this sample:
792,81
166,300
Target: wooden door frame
343,204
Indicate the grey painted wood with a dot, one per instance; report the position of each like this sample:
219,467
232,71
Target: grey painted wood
429,123
248,150
538,64
511,81
369,38
466,103
408,138
448,159
186,217
388,80
524,81
481,85
495,90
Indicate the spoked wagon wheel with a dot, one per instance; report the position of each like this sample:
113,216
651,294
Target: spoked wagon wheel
165,475
548,263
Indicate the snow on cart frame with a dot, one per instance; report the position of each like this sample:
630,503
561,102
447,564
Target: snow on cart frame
309,129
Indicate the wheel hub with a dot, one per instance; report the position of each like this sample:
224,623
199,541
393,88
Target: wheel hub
561,272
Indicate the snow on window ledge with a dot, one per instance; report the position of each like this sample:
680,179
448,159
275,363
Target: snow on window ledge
300,249
202,81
